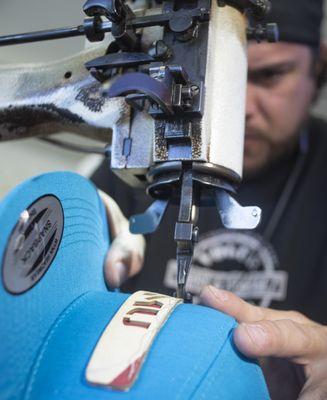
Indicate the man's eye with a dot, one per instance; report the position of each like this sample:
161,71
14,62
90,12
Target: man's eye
267,77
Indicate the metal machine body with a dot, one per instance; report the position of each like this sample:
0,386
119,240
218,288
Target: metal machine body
166,88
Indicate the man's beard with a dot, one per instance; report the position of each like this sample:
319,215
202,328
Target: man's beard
276,154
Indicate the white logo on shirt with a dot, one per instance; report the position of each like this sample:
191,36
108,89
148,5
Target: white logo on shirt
241,262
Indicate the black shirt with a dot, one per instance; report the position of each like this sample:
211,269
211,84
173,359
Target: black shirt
286,270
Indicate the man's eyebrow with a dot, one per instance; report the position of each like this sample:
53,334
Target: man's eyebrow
283,66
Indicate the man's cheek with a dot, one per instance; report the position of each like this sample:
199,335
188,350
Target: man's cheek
289,107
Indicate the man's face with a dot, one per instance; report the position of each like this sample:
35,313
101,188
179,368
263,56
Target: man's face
281,88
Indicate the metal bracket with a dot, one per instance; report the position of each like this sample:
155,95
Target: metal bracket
233,215
149,221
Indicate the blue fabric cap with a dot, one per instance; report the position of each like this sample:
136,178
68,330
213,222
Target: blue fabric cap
49,332
77,268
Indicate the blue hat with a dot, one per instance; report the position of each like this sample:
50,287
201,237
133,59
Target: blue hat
54,306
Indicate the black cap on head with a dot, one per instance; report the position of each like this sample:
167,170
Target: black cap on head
299,21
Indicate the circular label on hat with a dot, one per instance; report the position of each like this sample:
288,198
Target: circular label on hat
33,244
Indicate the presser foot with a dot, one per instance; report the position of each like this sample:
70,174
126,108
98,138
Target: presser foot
192,191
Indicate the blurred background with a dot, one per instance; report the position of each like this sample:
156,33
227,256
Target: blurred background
23,159
26,158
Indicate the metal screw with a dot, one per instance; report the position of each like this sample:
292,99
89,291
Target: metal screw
255,213
195,235
195,89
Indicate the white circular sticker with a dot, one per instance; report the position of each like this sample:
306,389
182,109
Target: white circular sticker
33,244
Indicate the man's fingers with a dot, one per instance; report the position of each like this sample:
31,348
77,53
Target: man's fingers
116,274
242,311
284,339
124,258
126,253
116,219
270,333
316,386
230,304
317,392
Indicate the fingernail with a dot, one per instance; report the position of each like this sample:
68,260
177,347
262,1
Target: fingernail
118,274
218,294
257,334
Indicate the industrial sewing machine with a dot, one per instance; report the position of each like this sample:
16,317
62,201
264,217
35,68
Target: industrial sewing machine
164,83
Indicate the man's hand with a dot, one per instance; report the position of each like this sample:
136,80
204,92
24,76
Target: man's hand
126,253
286,334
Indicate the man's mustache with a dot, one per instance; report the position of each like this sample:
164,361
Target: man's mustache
253,133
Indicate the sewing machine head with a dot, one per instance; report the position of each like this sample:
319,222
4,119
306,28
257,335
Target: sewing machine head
167,88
